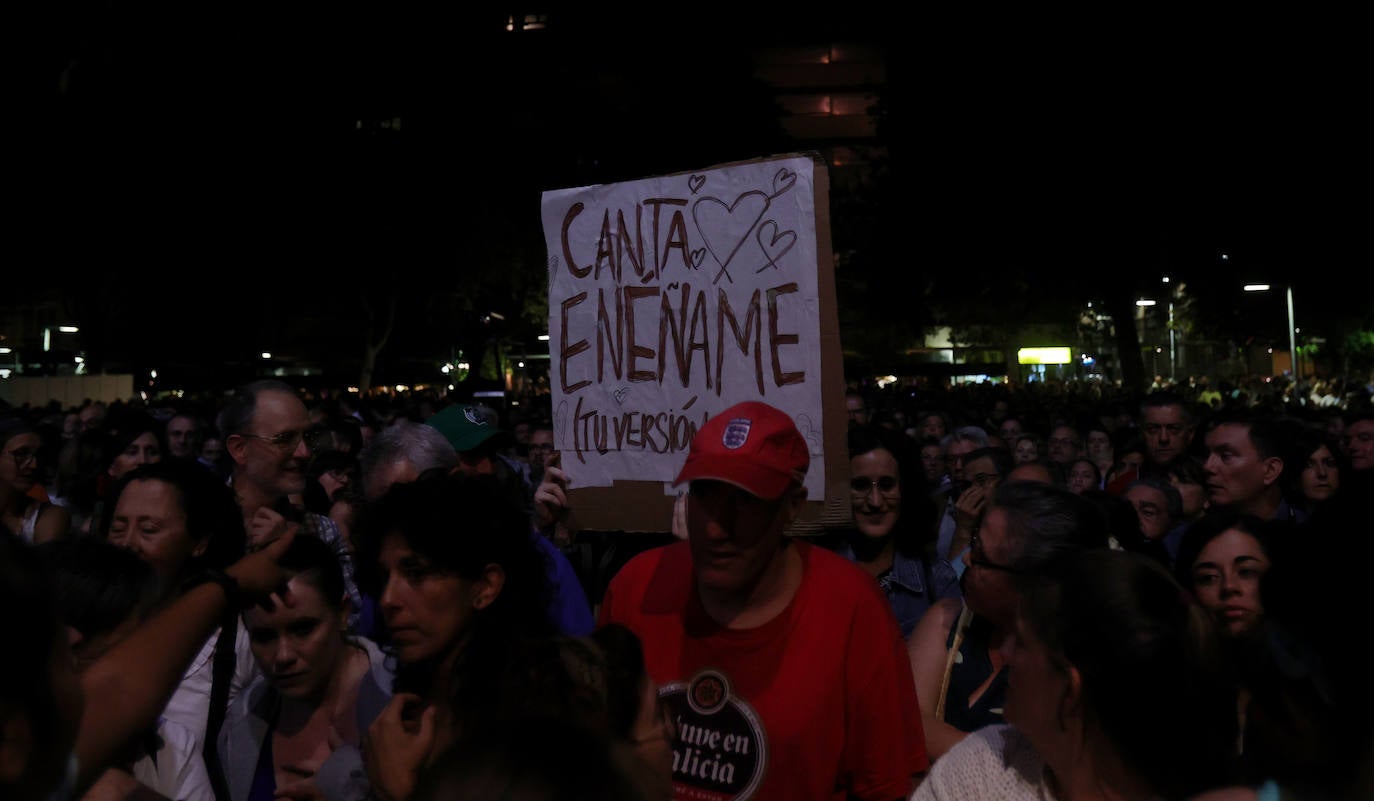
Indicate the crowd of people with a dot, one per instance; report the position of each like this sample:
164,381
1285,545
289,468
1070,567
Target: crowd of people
1043,592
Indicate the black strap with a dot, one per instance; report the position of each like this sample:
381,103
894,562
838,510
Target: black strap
221,677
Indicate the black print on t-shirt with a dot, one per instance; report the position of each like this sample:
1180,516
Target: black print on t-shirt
721,751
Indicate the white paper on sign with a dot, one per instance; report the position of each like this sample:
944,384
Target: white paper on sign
673,298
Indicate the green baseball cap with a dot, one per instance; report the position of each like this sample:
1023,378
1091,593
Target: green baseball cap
465,427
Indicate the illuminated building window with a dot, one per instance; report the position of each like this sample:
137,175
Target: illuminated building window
527,22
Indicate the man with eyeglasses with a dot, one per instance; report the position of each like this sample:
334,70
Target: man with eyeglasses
265,424
984,470
539,450
957,446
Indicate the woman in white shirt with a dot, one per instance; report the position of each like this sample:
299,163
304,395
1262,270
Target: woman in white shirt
179,518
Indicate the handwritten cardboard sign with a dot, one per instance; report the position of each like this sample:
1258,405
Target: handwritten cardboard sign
672,298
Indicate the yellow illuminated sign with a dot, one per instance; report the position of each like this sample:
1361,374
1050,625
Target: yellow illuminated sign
1043,356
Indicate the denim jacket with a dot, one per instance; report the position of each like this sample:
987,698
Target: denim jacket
911,591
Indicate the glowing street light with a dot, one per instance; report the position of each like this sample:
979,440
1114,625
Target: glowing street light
1292,329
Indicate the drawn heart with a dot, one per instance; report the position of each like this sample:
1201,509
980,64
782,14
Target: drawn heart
620,395
698,256
810,432
725,227
783,181
775,244
696,182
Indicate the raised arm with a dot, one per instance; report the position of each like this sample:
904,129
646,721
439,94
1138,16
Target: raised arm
128,687
928,653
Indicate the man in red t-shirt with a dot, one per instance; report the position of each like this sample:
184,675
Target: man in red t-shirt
780,662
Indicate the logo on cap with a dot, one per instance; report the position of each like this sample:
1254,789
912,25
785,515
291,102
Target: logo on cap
473,417
736,432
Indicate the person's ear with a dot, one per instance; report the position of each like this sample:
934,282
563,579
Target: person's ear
237,448
1071,701
16,745
486,589
1273,468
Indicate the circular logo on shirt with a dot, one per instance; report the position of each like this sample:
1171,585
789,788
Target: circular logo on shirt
721,750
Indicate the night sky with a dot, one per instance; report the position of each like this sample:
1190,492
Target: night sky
198,158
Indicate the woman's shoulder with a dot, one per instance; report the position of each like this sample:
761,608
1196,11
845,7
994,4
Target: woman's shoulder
992,762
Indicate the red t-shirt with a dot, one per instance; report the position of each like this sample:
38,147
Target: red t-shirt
817,703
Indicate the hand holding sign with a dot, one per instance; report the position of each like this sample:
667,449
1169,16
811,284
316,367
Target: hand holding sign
551,496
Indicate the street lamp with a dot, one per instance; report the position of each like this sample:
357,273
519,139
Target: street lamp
1292,329
61,329
1173,352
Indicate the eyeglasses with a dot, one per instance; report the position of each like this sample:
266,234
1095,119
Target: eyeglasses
23,456
285,441
977,557
860,486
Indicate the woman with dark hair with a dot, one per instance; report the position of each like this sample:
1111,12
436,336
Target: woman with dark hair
1307,723
463,589
297,729
1028,447
24,508
956,651
1222,561
94,461
133,440
549,759
175,517
594,689
1321,463
1115,691
892,523
1131,455
1188,476
1083,475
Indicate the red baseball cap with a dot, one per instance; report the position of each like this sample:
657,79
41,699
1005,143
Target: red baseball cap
751,445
